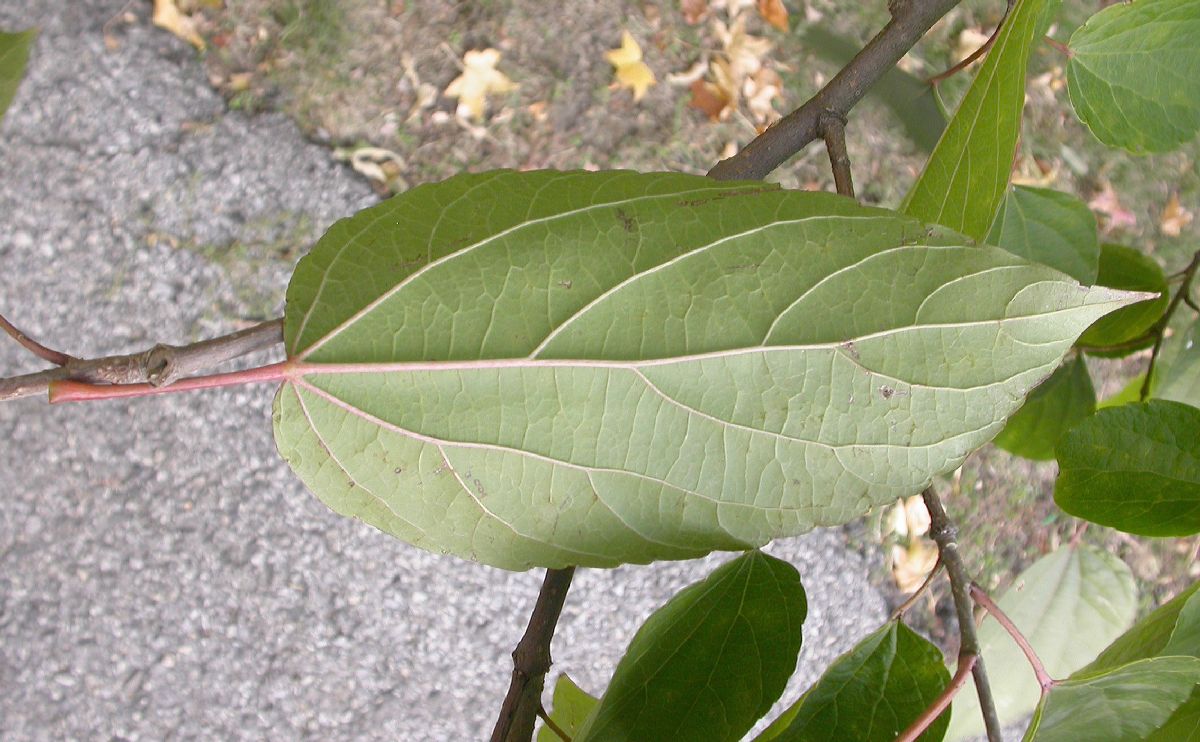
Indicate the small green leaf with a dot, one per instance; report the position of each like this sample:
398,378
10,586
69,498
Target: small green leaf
1135,468
1150,636
1051,228
571,706
1131,392
1134,74
1126,704
1185,639
964,181
1069,604
1125,268
14,53
551,369
873,692
710,662
1180,367
1061,402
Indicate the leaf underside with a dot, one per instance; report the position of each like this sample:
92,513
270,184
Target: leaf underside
543,369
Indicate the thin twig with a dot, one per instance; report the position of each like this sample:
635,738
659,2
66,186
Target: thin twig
792,133
966,664
48,355
1160,328
912,599
945,535
158,366
531,661
980,596
1059,46
973,56
833,131
551,725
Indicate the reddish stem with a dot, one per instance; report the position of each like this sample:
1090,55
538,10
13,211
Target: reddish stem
49,355
1039,670
69,390
966,663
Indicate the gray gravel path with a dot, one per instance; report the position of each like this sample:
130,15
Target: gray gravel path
162,574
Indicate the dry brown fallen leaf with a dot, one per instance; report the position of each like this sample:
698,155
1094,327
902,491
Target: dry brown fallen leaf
774,12
760,90
1174,217
479,79
693,11
708,99
1106,202
167,16
631,71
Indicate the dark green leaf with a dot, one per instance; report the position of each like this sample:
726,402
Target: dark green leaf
1184,724
1125,704
1049,227
1069,604
1150,636
963,183
1134,74
1125,268
14,53
571,706
710,662
873,692
1061,402
908,97
1135,468
546,369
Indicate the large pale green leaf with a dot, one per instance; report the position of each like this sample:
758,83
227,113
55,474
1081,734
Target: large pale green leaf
710,662
1134,74
963,183
1069,604
1126,704
1125,268
570,708
1061,402
595,368
873,692
14,53
1049,227
1135,468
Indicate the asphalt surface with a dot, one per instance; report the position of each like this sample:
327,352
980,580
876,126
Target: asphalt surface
163,575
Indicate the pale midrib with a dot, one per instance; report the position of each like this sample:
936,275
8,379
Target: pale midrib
316,369
465,251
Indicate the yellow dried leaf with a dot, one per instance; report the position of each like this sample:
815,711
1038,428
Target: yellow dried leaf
479,79
167,16
774,13
631,71
911,566
1174,217
744,52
